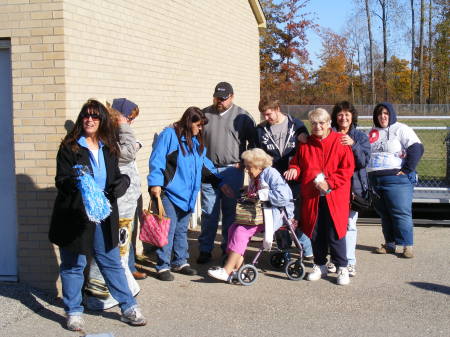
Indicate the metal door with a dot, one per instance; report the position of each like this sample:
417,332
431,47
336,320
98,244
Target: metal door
8,209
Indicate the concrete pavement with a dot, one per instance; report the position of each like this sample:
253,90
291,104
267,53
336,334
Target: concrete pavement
389,296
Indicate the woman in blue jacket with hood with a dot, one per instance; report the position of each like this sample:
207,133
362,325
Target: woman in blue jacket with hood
177,164
395,153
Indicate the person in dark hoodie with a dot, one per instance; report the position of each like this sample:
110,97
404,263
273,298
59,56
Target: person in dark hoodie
395,153
344,119
278,136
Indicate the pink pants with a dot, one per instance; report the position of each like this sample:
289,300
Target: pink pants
239,236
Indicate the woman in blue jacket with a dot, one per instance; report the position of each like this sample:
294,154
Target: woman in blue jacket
177,164
344,119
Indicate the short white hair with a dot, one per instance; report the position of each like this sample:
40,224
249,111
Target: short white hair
319,115
257,158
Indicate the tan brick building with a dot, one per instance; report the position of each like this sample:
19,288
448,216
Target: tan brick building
164,55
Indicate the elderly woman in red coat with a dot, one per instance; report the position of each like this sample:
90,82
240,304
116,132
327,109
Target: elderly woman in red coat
324,168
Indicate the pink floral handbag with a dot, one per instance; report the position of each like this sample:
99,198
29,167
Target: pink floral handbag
155,226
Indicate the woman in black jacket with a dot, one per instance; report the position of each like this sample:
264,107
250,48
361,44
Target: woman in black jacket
91,144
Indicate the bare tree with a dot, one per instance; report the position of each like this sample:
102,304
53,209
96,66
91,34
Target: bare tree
413,47
430,50
372,72
384,18
351,54
421,38
356,36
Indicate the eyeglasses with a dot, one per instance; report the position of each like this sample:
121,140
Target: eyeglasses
318,123
94,116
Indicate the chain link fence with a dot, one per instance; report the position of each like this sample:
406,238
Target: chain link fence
301,111
431,124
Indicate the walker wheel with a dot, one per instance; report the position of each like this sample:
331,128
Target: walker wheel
277,260
247,274
295,270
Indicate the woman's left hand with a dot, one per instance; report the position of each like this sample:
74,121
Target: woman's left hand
322,186
227,190
347,140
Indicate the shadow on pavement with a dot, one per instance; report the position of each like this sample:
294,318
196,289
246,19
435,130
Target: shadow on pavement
29,296
366,248
432,287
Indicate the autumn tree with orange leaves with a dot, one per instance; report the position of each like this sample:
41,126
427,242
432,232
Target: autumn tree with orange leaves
333,77
283,56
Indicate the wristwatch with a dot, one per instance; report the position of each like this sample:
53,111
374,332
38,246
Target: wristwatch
328,191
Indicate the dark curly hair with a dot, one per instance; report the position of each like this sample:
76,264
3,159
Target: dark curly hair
106,131
344,106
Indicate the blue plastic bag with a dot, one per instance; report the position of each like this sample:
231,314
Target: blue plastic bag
96,204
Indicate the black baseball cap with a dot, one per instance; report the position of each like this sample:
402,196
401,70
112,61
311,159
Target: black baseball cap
223,90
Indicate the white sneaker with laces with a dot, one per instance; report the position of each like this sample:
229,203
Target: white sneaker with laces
75,322
351,270
133,316
219,274
331,267
317,272
343,277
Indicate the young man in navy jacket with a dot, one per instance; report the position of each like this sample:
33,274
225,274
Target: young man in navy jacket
278,136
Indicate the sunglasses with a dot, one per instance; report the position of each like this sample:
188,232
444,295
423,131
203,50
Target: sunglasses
94,116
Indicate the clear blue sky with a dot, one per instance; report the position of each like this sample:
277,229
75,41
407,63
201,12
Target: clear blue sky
335,15
331,14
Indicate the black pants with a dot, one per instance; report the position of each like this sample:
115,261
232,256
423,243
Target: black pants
325,237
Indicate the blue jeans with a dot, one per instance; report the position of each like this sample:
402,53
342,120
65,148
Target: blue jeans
72,278
214,201
306,243
395,207
178,243
284,241
350,237
131,258
304,240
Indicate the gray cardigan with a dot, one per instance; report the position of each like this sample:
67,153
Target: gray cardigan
127,165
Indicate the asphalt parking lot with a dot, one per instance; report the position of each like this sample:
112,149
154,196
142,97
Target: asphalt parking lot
389,296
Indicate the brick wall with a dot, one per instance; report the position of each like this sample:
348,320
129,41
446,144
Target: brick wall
35,28
163,55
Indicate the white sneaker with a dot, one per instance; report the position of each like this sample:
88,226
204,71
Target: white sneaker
317,272
219,274
351,270
133,316
75,322
343,277
331,267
